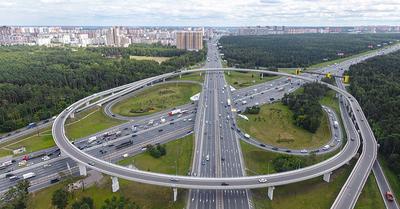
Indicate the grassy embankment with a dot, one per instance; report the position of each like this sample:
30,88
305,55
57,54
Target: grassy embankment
157,98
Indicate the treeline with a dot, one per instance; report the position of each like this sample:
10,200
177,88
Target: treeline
156,50
37,82
296,50
376,85
305,106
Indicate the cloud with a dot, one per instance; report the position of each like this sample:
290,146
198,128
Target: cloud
195,12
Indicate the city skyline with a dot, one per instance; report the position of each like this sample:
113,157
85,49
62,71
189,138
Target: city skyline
199,13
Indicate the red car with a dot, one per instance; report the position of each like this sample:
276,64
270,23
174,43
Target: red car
389,196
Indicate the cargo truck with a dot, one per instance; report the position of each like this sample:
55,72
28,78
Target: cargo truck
28,175
174,112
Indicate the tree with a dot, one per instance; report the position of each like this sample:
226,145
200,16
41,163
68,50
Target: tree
16,197
84,203
60,198
287,162
119,203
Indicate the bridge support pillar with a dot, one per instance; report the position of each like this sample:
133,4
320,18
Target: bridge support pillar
271,192
72,115
82,169
115,184
163,80
327,176
87,103
262,76
180,75
175,193
200,73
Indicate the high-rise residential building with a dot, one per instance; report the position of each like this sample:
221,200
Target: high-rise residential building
113,37
189,40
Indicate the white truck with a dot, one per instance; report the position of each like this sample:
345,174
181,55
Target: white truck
28,175
162,120
244,102
335,124
229,102
174,112
92,139
247,136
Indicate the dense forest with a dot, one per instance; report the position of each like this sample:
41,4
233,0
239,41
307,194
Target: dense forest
38,82
376,85
305,105
300,50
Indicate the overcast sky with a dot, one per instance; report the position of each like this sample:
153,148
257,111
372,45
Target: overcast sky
200,13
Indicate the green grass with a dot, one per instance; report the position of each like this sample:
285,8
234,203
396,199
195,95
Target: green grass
310,194
274,125
157,59
4,153
259,161
370,197
146,196
318,194
176,161
242,79
331,101
287,70
89,122
156,98
32,142
391,176
191,77
35,143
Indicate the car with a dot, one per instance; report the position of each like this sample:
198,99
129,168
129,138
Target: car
203,162
274,148
288,150
46,165
160,130
262,180
389,196
52,181
352,139
174,179
263,145
224,184
91,163
8,175
303,151
222,159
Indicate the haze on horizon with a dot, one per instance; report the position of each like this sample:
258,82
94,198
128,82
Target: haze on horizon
200,13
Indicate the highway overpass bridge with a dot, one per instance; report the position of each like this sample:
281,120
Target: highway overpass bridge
355,182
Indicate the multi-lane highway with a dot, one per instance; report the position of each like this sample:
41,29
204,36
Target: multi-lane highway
217,152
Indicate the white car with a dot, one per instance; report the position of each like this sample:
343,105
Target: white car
262,180
303,151
326,147
46,165
45,158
